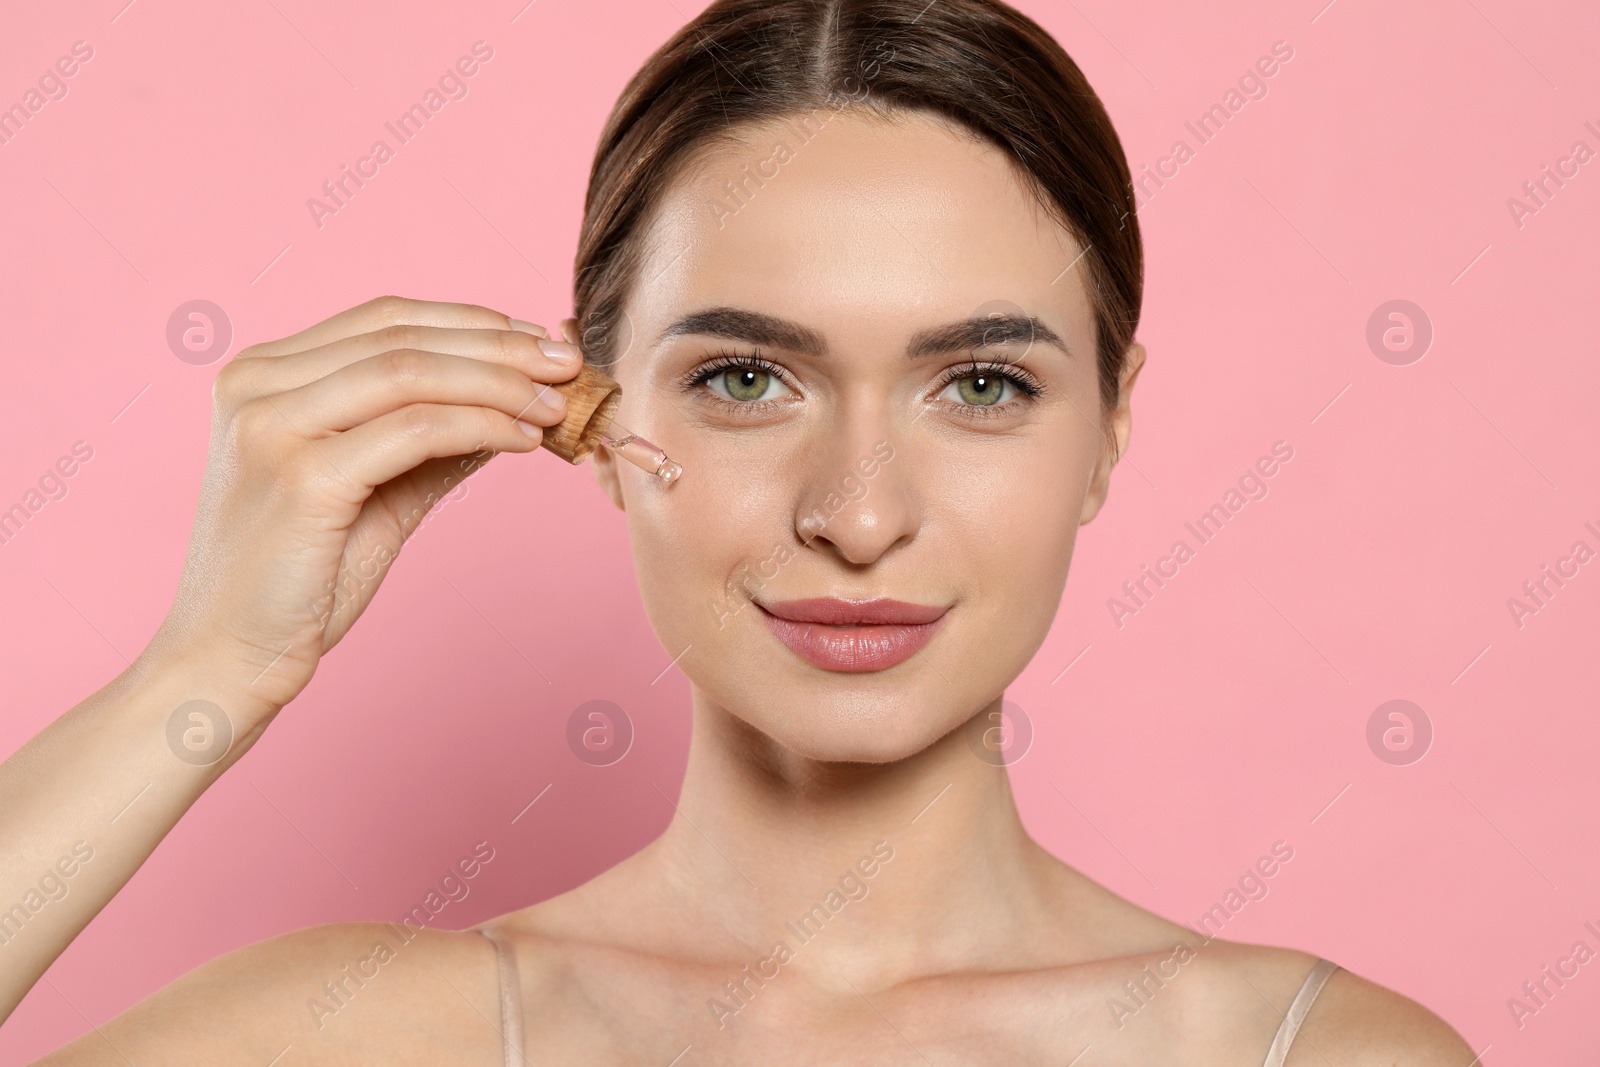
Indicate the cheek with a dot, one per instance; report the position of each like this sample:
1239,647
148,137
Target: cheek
1013,527
693,540
1044,523
1021,527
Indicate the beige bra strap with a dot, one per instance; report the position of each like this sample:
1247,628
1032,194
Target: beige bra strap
1297,1012
510,996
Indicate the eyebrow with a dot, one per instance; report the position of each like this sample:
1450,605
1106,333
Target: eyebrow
754,327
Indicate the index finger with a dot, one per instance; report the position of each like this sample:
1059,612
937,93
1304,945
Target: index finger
384,311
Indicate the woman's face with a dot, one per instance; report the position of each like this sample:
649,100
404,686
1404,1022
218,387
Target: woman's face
865,462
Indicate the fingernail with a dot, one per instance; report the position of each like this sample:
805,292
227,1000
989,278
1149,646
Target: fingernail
560,351
554,399
530,327
529,428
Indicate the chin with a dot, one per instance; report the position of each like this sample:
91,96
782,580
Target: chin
848,749
857,731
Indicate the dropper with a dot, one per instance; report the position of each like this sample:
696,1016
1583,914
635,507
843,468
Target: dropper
592,401
641,453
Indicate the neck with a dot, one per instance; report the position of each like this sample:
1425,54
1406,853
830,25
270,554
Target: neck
874,873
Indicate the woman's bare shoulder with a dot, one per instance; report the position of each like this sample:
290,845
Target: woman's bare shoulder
1238,992
1230,997
1353,1022
1356,1022
339,993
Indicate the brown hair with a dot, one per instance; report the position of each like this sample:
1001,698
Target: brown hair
980,63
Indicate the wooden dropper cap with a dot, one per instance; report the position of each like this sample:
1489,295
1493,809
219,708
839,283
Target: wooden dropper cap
592,401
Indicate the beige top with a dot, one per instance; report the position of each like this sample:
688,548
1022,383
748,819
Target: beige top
511,1003
510,996
1297,1011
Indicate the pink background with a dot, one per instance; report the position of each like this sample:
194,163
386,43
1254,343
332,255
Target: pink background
1229,713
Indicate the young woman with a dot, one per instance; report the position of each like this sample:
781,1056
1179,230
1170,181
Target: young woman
869,270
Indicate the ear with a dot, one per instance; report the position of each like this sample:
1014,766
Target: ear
1118,430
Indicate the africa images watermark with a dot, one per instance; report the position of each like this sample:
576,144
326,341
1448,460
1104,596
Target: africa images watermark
52,886
338,992
1538,592
52,486
52,85
1541,190
852,885
1537,992
1252,485
1252,85
751,577
451,85
353,578
1252,885
737,193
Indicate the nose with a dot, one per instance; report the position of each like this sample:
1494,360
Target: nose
859,501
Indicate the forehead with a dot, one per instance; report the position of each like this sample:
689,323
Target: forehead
860,227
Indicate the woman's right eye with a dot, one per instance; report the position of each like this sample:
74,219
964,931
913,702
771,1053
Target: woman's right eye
745,384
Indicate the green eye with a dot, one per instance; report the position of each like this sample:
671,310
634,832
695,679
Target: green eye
742,380
745,384
981,390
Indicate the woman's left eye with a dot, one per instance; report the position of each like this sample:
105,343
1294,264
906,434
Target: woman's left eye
982,389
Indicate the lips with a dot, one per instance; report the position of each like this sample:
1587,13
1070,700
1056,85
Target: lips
853,635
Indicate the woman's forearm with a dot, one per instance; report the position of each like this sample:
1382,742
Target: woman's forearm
327,447
87,799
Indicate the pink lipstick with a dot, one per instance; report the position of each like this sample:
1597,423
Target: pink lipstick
853,635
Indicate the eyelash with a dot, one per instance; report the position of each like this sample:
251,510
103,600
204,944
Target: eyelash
724,360
1029,386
